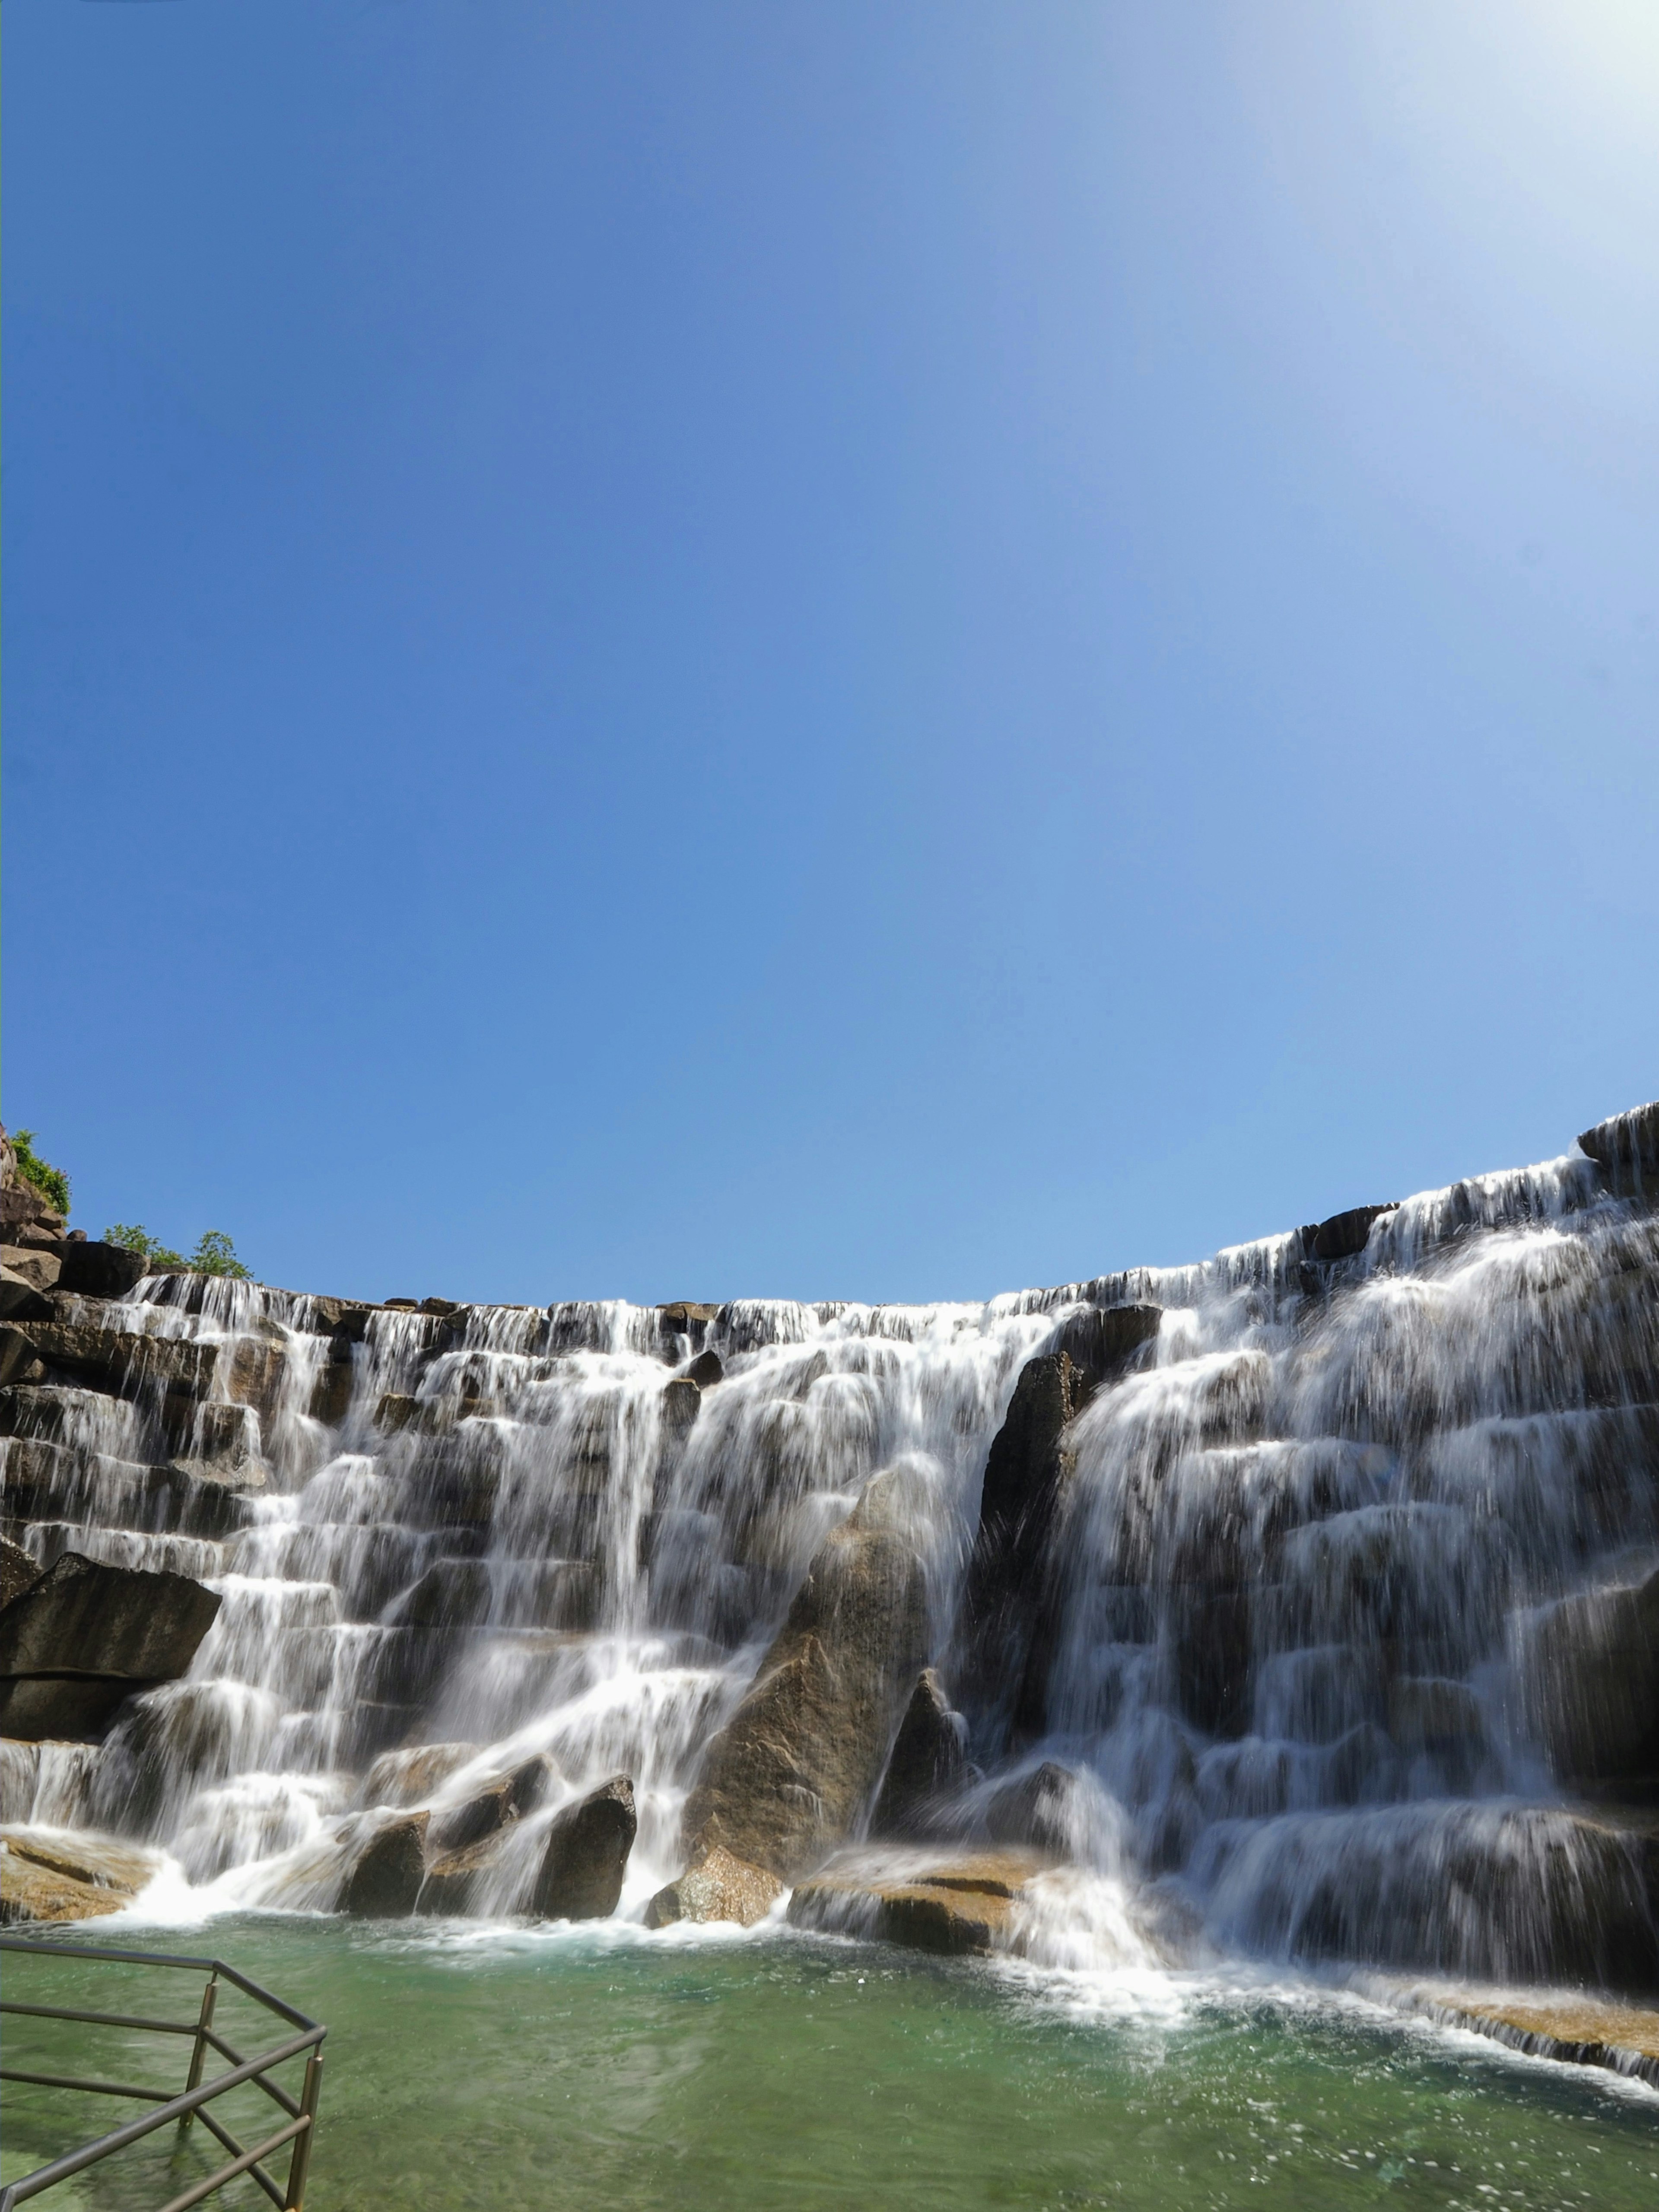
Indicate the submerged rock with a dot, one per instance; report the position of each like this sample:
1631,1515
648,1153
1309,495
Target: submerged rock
585,1856
785,1780
84,1636
926,1765
718,1887
951,1904
385,1876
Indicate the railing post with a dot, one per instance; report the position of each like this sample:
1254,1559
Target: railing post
198,2049
300,2164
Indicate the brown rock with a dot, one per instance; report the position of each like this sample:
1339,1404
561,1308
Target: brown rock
718,1887
506,1797
404,1777
46,1879
39,1269
706,1371
452,1877
20,1300
955,1904
586,1857
386,1877
786,1778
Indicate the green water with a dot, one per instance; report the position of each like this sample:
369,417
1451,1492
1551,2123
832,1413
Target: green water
608,2069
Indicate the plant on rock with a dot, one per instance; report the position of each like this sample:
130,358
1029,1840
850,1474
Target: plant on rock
214,1253
51,1183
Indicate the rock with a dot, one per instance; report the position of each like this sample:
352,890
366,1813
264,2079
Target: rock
1592,1684
19,1298
18,1571
684,1319
400,1305
706,1371
681,1402
47,1481
84,1636
718,1887
330,1393
1626,1147
1559,2024
450,1594
452,1877
1346,1234
955,1904
257,1368
404,1777
926,1764
121,1363
386,1875
444,1307
1211,1633
586,1856
22,1206
1033,1809
1428,1713
503,1799
50,1878
38,1270
19,1361
96,1270
785,1780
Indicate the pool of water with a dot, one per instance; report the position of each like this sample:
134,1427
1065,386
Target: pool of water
471,2067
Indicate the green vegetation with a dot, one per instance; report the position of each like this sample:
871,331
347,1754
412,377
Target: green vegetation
214,1254
52,1183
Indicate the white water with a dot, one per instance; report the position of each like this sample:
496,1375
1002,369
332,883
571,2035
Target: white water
1365,1485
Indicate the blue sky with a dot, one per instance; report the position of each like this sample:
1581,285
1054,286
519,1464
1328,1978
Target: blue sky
822,651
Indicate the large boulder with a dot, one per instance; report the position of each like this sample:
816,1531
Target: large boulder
418,1771
385,1875
96,1270
927,1764
85,1637
50,1878
718,1887
37,1267
1593,1687
958,1904
21,1296
1625,1147
498,1802
585,1855
786,1778
1346,1235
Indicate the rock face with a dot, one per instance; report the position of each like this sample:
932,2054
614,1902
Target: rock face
386,1877
1345,1235
927,1763
1626,1147
718,1887
506,1798
580,1876
46,1879
18,1571
1593,1686
1005,1609
960,1904
96,1270
785,1780
84,1636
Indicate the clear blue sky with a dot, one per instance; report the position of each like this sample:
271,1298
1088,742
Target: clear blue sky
868,650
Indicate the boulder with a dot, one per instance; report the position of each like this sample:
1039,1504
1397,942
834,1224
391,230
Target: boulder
452,1877
20,1300
18,1571
50,1878
706,1371
1429,1714
404,1777
585,1856
84,1636
960,1904
1625,1147
22,1206
1592,1681
19,1361
1346,1234
121,1363
503,1799
450,1594
39,1269
926,1765
786,1778
385,1876
681,1401
1033,1810
718,1887
330,1393
97,1270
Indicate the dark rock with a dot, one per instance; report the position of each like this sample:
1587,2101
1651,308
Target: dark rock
85,1637
451,1883
706,1371
685,1320
926,1765
444,1307
96,1270
1211,1632
1100,1341
331,1394
586,1857
400,1305
47,1481
785,1779
1593,1687
501,1800
386,1877
681,1401
1033,1809
1625,1147
22,1206
121,1363
18,1571
19,1361
20,1300
718,1887
403,1777
452,1593
1346,1234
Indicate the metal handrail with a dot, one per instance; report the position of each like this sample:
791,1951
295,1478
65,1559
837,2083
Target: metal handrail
197,2094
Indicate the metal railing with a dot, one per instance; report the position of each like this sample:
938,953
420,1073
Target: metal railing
197,2094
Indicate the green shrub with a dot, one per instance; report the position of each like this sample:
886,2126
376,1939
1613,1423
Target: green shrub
217,1255
214,1254
52,1183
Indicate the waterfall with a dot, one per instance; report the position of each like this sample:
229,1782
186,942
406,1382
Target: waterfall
1297,1598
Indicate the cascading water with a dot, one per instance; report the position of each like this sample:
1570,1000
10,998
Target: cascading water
1291,1595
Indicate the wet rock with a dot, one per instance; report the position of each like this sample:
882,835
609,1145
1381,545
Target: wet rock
47,1481
718,1887
1626,1147
586,1856
1593,1687
1033,1810
18,1571
450,1594
706,1371
681,1401
257,1365
951,1905
1345,1235
928,1762
404,1777
1559,2024
85,1637
96,1270
331,1392
49,1878
1427,1713
501,1800
785,1780
1212,1632
450,1886
685,1318
120,1363
386,1875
